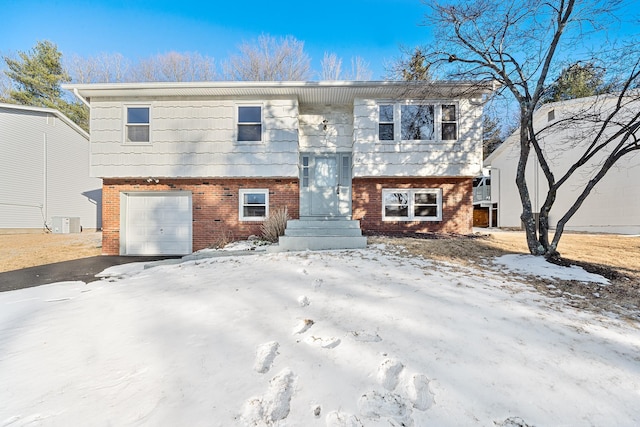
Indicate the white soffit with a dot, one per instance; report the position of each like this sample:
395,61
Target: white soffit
323,92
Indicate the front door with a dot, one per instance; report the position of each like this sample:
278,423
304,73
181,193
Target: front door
326,180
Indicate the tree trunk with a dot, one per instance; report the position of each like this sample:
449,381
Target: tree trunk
527,212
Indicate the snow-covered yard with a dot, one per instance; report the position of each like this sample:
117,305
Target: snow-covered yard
338,338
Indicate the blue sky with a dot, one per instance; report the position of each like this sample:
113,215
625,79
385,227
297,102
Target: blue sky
372,29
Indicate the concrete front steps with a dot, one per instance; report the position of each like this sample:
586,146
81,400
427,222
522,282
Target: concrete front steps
319,234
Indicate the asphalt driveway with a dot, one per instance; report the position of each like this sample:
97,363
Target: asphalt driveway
83,269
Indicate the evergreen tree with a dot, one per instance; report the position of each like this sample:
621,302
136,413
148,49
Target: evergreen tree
37,76
490,135
577,81
412,65
416,67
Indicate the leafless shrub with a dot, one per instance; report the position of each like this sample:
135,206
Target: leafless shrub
226,237
274,225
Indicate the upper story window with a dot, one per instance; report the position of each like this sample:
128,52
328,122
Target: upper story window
417,122
449,123
385,123
137,127
249,123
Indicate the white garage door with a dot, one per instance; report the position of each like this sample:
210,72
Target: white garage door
157,223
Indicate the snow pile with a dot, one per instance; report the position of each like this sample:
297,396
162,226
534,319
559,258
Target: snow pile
335,338
538,266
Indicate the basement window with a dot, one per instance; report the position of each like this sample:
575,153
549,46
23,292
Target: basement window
423,204
254,204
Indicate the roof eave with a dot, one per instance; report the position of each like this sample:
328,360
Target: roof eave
285,88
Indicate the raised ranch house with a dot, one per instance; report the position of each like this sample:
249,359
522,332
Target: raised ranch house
187,165
614,203
44,177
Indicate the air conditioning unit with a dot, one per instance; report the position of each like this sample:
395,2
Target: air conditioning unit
66,224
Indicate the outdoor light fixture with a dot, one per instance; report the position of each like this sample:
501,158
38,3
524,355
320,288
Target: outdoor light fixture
325,122
152,179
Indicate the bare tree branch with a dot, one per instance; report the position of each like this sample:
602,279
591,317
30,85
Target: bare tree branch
269,58
517,44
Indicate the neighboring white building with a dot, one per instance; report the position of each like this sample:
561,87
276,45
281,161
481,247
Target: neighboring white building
613,205
44,175
186,165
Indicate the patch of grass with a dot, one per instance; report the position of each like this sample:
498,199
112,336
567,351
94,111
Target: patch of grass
612,256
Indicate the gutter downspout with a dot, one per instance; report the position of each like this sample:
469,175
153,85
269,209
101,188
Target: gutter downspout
45,173
83,100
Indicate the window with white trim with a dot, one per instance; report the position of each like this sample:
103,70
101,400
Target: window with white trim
305,171
249,123
449,123
385,123
137,124
254,204
403,204
417,122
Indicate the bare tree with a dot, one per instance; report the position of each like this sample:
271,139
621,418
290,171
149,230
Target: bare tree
359,69
101,68
518,44
269,58
331,67
167,67
175,67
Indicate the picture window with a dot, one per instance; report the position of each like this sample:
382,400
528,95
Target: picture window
412,205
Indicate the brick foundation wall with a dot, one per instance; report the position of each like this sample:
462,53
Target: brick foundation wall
457,205
215,207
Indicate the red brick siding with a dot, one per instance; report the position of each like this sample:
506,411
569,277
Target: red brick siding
457,205
215,206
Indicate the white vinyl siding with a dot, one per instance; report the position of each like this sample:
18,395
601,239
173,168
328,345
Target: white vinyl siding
614,204
373,157
195,138
338,135
45,171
